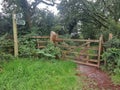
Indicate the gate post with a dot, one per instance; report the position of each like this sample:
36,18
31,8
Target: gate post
110,36
53,37
15,34
99,50
88,46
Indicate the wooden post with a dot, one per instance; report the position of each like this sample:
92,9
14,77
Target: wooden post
99,50
88,46
53,37
110,36
37,41
15,35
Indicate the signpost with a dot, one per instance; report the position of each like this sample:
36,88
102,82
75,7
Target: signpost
16,20
15,35
20,22
19,15
19,19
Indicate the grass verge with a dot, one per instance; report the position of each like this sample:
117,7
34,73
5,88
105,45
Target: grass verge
28,74
116,79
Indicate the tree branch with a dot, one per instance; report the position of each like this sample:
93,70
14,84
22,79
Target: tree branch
94,14
51,4
34,4
107,6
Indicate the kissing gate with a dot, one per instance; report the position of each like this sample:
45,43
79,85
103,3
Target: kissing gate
86,52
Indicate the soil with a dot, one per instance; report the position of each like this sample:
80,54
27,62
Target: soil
96,78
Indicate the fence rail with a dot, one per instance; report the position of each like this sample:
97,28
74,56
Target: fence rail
84,55
82,50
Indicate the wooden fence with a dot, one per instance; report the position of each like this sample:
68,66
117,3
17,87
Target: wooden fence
86,52
41,41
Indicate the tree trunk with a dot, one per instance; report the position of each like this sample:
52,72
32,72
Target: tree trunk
26,9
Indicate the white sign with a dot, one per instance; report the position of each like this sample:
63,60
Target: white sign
20,22
19,15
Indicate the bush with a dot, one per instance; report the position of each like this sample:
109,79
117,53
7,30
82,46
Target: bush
4,56
6,47
116,77
113,43
27,47
112,58
112,54
50,51
6,44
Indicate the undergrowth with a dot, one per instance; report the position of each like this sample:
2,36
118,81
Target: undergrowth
111,56
25,74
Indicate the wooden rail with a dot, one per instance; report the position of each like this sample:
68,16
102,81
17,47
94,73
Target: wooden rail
41,41
69,51
40,37
77,40
85,57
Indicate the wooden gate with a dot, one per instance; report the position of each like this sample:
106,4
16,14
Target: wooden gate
41,41
86,52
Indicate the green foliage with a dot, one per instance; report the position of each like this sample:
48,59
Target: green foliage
34,31
27,47
27,74
112,58
4,56
89,30
6,47
116,77
50,51
57,28
44,21
94,16
5,26
113,43
6,44
114,27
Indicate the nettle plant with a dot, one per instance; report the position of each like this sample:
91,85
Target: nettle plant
6,47
112,55
113,43
50,51
27,47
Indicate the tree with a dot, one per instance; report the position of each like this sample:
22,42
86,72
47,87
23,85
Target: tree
68,14
44,21
5,24
25,7
99,14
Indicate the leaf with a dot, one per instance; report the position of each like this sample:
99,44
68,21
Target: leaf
49,55
41,52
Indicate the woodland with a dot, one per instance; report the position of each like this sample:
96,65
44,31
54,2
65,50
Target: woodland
76,19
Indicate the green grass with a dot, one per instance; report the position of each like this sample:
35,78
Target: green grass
25,74
116,79
116,76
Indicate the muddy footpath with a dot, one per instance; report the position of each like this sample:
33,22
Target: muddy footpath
96,78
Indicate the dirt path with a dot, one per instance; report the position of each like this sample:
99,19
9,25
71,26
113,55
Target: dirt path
100,78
